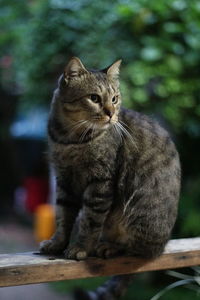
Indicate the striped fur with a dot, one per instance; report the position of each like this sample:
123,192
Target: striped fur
116,169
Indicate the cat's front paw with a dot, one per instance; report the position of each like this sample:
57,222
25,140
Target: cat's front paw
51,247
76,251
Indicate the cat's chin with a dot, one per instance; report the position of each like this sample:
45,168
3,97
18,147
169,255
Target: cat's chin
104,126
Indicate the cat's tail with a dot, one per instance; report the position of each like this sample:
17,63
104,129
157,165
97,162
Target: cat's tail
112,289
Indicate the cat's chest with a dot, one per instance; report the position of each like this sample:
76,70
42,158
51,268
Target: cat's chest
83,163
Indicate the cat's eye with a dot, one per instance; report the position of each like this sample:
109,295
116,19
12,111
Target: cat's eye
115,99
95,98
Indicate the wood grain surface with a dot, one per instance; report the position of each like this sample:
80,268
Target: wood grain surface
28,268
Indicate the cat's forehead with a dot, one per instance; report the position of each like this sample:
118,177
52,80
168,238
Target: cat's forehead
102,83
105,88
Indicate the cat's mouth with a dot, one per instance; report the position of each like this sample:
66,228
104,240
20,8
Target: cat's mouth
106,120
103,123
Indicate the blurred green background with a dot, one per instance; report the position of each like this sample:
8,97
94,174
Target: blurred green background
159,43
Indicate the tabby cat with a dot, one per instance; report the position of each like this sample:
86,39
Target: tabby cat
117,171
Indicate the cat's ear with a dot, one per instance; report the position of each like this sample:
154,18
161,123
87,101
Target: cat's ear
113,70
74,68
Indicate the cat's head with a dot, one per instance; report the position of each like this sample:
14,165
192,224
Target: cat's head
90,97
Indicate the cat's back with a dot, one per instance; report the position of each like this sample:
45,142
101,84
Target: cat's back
153,154
146,132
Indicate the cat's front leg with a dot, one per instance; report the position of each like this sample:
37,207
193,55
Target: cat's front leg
96,205
67,209
65,218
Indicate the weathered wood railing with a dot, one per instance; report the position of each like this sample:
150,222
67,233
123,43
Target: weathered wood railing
28,268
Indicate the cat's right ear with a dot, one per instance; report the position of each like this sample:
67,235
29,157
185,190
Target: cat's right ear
74,69
113,70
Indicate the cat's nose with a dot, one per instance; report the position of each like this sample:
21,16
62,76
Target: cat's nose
109,112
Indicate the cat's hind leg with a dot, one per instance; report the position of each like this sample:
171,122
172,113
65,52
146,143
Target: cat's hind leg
114,238
106,249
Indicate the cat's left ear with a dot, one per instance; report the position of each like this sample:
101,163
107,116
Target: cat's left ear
74,68
113,70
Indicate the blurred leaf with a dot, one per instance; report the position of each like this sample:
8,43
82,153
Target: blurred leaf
151,54
191,223
172,286
158,41
140,95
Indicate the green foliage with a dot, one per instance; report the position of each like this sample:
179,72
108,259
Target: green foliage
189,208
137,291
13,17
191,282
70,285
159,42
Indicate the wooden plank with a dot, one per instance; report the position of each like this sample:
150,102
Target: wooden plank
28,268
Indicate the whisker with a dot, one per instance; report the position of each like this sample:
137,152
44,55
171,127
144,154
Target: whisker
76,126
118,132
84,133
72,126
127,204
126,133
124,124
96,118
93,129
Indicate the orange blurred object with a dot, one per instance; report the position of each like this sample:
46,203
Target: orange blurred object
44,225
